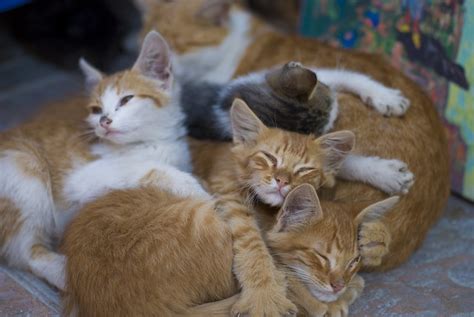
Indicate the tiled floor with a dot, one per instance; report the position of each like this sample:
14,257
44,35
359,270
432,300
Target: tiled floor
437,281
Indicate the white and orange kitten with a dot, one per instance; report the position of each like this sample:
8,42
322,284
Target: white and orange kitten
47,172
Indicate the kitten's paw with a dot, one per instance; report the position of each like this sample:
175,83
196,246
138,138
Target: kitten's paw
268,303
387,101
322,310
341,306
355,288
338,309
374,242
392,176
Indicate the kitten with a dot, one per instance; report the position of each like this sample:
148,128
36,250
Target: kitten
289,97
146,252
48,169
417,138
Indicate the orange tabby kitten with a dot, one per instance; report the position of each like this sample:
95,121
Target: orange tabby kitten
417,139
148,252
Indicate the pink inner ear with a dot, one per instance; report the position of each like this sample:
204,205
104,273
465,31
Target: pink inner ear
155,60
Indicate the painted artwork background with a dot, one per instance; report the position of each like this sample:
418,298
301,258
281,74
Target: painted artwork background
432,41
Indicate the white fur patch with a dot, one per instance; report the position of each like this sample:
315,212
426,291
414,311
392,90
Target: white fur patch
391,176
218,63
34,200
333,114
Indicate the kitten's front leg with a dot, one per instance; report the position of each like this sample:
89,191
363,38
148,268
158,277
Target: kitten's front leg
387,101
176,182
263,285
97,178
391,176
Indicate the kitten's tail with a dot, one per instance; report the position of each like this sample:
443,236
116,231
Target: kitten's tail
214,309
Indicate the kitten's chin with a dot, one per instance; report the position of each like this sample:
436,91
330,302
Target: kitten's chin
323,295
272,199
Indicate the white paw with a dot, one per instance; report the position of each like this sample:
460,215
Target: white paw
392,176
387,101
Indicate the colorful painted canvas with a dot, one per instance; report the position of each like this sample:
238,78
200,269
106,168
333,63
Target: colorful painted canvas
430,40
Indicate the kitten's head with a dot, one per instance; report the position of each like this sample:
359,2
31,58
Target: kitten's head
272,161
319,246
297,82
128,106
187,25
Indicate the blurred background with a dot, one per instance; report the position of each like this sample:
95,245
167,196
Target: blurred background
429,40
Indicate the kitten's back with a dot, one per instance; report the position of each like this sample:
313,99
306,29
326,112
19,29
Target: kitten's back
418,139
144,252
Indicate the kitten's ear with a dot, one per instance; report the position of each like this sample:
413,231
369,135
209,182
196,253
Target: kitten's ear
377,210
246,126
91,74
293,80
300,205
154,60
336,146
215,11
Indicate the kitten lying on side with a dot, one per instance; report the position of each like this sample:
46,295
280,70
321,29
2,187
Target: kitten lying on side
292,98
150,252
289,97
48,169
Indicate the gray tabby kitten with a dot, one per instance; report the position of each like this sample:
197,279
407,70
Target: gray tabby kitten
289,97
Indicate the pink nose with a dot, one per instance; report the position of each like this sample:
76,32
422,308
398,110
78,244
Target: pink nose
281,181
105,122
337,286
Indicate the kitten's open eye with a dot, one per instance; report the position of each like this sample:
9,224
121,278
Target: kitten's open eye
125,99
272,158
95,109
305,170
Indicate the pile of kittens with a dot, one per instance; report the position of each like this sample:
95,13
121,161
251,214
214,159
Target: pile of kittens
184,196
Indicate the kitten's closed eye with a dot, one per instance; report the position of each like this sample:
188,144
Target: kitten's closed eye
125,99
323,257
305,170
354,262
95,109
271,157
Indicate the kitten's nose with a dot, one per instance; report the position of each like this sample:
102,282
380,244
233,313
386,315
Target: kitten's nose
281,181
105,121
337,286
